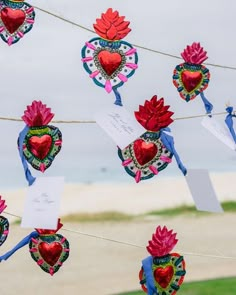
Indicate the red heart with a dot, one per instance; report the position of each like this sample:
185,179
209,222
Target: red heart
110,61
50,252
191,79
163,275
144,151
12,18
40,146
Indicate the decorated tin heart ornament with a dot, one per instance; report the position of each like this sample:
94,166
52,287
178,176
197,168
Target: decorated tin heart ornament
16,20
108,59
153,151
39,143
50,250
191,78
163,272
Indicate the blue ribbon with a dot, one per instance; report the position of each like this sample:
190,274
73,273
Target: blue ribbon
229,122
147,267
207,104
28,175
168,142
21,244
118,101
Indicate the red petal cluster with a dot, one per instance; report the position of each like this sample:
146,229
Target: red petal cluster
154,115
163,241
2,205
37,114
194,54
50,231
111,26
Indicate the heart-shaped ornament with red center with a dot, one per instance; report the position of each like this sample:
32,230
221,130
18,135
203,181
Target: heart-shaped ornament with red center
110,61
49,251
168,274
41,145
16,19
190,80
4,229
145,157
13,19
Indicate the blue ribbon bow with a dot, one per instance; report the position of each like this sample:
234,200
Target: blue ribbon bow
229,121
208,106
147,267
28,175
21,244
168,142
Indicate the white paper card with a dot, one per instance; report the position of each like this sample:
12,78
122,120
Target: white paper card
220,131
120,125
43,202
202,191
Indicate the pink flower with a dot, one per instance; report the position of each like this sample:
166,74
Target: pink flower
194,54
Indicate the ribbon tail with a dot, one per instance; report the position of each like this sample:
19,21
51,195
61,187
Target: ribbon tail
229,122
168,141
118,101
208,106
21,244
28,175
147,267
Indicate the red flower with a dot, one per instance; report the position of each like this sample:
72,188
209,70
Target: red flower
154,115
37,114
111,26
163,241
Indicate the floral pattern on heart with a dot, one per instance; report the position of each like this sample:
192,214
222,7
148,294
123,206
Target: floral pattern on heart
16,20
50,250
109,60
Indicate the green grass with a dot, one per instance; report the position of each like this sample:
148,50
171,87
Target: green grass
97,217
225,286
228,206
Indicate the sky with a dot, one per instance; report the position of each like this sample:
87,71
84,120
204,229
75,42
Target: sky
46,65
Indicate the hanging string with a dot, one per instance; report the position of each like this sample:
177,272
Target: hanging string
132,244
135,45
92,122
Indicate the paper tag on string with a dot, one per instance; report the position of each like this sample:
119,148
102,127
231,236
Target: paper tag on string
219,131
120,125
202,191
43,202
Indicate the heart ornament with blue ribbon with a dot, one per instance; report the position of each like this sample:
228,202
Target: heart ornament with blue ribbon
153,151
50,250
41,142
163,272
108,59
191,77
16,20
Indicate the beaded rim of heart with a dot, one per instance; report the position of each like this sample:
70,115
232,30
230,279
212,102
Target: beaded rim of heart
35,254
56,136
96,72
153,167
12,38
177,263
4,229
201,86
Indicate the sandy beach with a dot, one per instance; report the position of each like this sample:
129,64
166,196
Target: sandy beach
102,267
